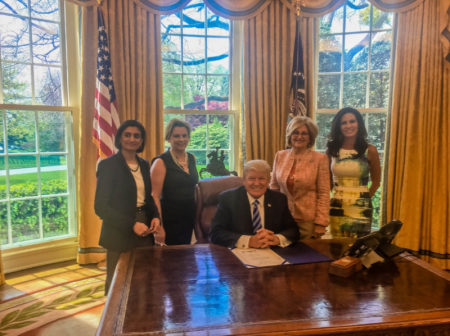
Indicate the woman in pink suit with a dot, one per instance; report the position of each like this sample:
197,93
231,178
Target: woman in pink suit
303,175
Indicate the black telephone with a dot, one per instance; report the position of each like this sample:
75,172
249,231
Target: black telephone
380,242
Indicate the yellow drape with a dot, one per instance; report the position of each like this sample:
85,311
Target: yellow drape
134,42
418,174
268,52
2,275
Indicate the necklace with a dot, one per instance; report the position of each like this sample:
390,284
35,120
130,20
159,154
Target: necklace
298,159
133,170
181,165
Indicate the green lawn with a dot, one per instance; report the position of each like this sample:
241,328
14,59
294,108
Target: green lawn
32,177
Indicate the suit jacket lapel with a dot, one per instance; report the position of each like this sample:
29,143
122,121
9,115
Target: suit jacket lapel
244,210
268,211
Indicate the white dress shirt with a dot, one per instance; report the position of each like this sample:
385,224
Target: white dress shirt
244,240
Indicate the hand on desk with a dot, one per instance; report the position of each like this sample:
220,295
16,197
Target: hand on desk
263,239
160,236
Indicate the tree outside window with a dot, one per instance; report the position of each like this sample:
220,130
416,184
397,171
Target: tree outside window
35,151
196,77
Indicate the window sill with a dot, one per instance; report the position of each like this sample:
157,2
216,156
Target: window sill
23,257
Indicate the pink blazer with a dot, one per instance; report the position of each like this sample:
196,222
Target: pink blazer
311,199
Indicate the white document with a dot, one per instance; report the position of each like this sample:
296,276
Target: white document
254,258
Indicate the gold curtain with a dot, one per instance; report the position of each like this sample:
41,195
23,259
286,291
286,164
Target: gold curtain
134,42
268,52
2,275
418,191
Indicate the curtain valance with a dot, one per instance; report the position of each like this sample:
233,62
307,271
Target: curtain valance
246,9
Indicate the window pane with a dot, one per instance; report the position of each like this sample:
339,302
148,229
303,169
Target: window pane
16,83
198,130
324,121
55,216
170,23
217,25
46,47
219,132
194,92
218,55
3,223
356,52
47,86
45,9
379,89
23,176
3,191
194,18
381,20
333,22
330,53
377,130
20,126
355,90
194,55
53,174
25,220
52,129
171,53
328,91
172,91
14,38
14,7
218,92
200,157
381,51
357,19
2,138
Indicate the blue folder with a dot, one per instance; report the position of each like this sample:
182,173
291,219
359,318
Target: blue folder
300,253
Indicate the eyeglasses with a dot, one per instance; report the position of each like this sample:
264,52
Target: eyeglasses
296,134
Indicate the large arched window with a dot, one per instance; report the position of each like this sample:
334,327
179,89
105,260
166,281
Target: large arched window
354,63
197,70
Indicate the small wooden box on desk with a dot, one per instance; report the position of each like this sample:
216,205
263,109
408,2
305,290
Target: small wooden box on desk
345,267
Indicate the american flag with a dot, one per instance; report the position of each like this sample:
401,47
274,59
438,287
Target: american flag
106,119
298,106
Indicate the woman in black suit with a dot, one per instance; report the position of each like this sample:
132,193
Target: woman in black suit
123,199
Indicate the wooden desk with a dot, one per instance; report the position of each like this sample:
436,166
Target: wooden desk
205,290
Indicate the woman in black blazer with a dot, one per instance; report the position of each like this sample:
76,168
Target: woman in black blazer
123,199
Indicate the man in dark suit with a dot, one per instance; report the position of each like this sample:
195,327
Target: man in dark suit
253,215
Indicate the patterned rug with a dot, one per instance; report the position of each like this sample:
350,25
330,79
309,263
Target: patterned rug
65,308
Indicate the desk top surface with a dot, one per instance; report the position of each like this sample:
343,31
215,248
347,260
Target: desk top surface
204,289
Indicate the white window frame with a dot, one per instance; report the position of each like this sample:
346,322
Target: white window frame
56,249
366,111
235,48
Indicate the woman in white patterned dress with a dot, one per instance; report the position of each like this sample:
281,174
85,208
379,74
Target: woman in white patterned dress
353,162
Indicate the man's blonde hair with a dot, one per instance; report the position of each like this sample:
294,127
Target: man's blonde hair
260,166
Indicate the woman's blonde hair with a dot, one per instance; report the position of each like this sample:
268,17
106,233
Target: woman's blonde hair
297,122
176,123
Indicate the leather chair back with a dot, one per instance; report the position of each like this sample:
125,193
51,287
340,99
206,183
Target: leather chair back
207,197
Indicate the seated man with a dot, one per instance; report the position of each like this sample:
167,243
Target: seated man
253,215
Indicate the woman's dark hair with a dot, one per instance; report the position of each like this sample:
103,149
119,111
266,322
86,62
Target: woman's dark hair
336,138
123,127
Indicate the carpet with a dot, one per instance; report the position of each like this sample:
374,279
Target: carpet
63,308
